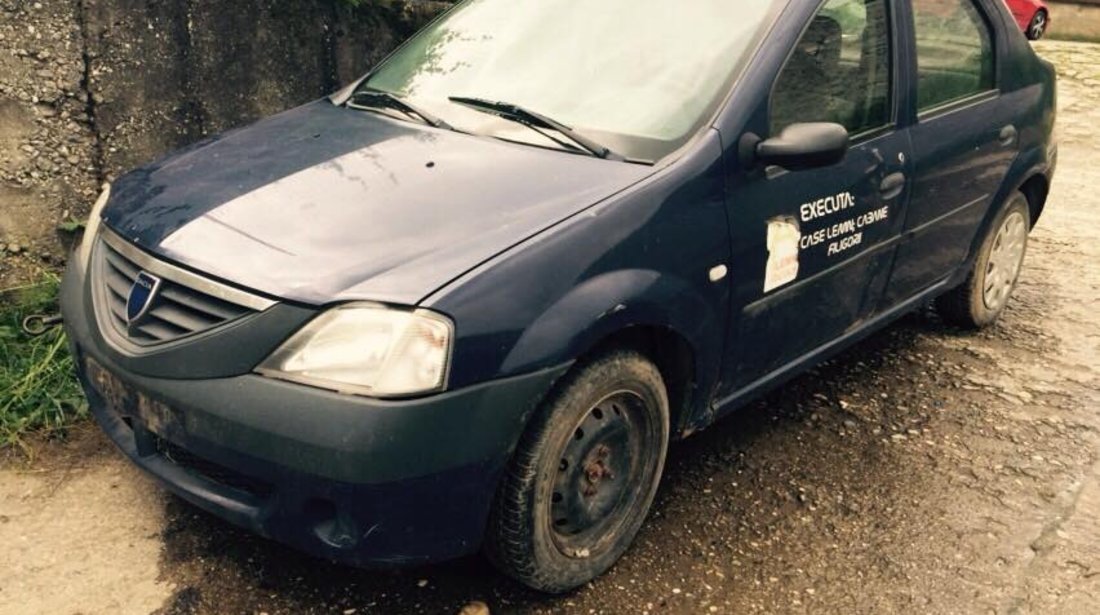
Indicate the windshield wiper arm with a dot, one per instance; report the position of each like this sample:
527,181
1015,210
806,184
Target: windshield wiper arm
519,114
380,99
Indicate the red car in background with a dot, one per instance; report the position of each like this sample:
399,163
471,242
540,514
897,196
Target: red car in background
1033,16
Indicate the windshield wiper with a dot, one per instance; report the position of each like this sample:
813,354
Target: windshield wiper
380,99
535,120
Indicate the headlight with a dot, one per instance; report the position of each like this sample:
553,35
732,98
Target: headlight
368,349
91,229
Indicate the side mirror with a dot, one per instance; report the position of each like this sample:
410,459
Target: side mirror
800,147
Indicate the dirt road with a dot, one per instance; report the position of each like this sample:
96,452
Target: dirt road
926,470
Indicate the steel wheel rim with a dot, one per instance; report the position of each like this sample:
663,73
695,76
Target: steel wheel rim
1005,260
597,480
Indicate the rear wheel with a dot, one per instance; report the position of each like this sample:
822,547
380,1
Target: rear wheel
1038,26
584,475
981,299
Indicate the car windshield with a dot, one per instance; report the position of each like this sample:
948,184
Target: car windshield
640,77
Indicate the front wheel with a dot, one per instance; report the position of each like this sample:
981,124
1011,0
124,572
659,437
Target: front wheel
980,300
1038,26
584,475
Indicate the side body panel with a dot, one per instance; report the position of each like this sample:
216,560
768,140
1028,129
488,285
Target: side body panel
1027,98
641,258
1023,11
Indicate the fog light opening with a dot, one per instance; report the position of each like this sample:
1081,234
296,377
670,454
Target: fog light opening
332,526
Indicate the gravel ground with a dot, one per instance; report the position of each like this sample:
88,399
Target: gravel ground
925,470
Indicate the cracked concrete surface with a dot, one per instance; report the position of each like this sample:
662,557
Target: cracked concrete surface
86,84
925,470
47,167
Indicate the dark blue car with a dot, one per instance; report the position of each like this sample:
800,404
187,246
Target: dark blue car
467,302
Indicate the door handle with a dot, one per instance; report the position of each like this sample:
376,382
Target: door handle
1008,135
892,185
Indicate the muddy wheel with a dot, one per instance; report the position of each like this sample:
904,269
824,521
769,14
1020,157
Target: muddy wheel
980,300
1038,25
584,475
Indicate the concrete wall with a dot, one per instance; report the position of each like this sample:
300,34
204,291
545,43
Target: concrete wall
1075,21
91,88
47,160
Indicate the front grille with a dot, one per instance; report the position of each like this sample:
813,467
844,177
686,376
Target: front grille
211,471
175,312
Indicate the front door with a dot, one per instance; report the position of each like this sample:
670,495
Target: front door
812,249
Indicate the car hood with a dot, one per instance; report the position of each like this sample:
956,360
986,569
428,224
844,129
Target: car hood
323,204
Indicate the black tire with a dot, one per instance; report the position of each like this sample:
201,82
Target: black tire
583,476
1037,27
981,299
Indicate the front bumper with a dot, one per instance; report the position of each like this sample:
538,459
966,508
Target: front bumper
362,481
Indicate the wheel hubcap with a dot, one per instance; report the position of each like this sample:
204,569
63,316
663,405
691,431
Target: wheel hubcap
1038,25
597,478
1005,260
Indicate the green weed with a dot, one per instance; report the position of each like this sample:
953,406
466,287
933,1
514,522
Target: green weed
38,390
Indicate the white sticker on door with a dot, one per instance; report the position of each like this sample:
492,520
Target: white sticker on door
783,246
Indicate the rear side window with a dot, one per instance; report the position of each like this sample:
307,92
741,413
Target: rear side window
839,71
954,51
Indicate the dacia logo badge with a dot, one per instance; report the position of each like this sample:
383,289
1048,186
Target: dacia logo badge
142,294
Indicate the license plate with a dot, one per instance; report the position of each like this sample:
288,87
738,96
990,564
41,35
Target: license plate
128,402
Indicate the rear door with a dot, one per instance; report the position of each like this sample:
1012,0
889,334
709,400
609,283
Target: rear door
964,140
812,249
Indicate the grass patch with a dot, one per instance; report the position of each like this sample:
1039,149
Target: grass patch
38,390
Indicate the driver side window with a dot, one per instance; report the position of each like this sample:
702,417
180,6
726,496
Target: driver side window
839,71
